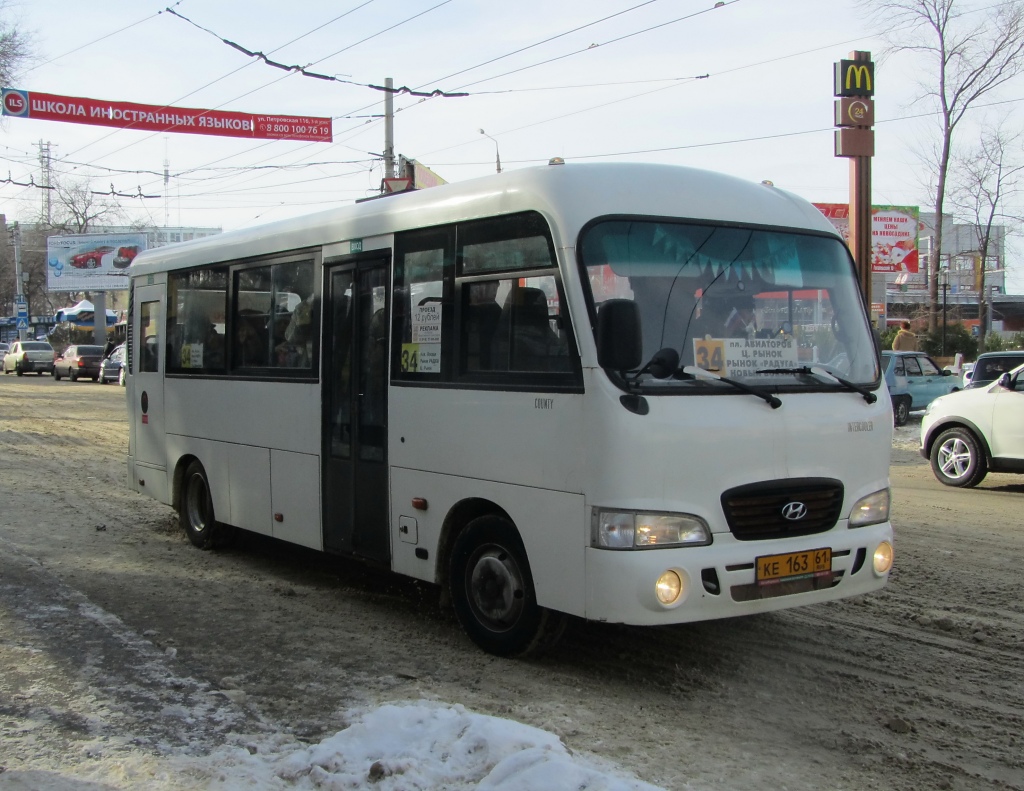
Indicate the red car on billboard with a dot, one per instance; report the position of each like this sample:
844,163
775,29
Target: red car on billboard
90,259
125,256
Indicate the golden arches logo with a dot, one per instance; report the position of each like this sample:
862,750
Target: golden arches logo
854,72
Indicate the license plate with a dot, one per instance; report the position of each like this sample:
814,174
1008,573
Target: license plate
794,566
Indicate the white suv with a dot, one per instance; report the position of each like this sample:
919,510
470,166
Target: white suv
974,431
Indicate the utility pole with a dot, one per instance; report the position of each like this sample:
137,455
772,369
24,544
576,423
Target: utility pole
389,128
44,166
20,302
167,180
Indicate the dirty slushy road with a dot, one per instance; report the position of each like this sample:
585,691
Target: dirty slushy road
121,645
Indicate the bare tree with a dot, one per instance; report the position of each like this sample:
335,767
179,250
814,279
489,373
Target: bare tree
78,208
985,180
971,54
15,47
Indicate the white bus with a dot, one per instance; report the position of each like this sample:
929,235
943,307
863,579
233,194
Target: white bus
628,393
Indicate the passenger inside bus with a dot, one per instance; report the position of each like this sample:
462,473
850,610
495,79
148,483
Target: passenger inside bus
480,323
250,345
525,339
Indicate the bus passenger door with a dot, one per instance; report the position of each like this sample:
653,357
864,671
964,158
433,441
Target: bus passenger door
355,468
145,385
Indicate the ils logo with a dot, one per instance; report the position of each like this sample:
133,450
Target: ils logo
15,102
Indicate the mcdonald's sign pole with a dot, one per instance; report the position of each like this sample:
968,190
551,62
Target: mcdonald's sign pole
855,139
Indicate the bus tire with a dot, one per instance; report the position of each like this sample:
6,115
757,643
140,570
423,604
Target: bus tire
492,591
195,511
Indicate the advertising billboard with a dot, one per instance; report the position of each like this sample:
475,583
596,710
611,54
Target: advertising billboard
92,261
894,234
17,103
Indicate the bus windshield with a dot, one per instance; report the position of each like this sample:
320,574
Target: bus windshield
739,302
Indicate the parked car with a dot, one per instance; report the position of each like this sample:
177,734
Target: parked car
78,361
24,357
125,256
991,365
967,434
4,348
90,259
112,367
914,380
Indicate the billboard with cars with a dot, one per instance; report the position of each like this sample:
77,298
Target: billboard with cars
92,261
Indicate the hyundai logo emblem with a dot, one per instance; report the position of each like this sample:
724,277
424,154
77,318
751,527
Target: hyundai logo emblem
794,511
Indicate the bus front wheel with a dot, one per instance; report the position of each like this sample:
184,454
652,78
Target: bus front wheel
195,511
492,591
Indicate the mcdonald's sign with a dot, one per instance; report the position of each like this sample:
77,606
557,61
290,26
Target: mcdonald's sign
855,78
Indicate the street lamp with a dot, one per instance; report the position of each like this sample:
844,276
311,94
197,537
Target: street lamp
497,155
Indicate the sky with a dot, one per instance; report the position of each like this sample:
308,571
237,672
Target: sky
744,88
416,746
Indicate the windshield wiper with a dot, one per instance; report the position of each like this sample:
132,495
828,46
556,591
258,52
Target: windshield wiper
807,370
699,373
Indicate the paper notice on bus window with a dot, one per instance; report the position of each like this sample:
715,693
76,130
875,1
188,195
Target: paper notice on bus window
430,358
422,358
192,355
743,357
426,323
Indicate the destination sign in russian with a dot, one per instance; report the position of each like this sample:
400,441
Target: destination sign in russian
162,118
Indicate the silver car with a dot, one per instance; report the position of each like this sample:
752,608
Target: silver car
26,357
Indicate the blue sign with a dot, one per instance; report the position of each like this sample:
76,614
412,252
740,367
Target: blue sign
22,322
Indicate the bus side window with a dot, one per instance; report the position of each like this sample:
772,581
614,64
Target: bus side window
527,337
419,307
480,316
149,329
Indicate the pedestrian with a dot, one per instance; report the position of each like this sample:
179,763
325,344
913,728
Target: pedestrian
905,340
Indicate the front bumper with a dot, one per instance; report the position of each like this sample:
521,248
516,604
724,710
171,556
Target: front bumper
719,580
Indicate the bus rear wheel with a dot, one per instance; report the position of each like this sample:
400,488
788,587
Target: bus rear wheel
195,511
492,591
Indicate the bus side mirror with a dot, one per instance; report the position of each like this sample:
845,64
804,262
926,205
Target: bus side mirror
619,336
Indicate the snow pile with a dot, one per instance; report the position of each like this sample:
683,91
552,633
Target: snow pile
396,747
424,746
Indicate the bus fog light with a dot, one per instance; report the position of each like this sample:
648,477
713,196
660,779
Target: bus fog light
883,558
871,510
670,587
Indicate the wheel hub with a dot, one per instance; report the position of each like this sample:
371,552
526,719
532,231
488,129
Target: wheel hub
196,503
954,458
496,588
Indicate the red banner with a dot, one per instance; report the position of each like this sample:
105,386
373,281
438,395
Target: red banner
155,118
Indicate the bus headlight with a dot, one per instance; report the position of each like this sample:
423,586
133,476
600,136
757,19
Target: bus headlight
870,510
635,529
